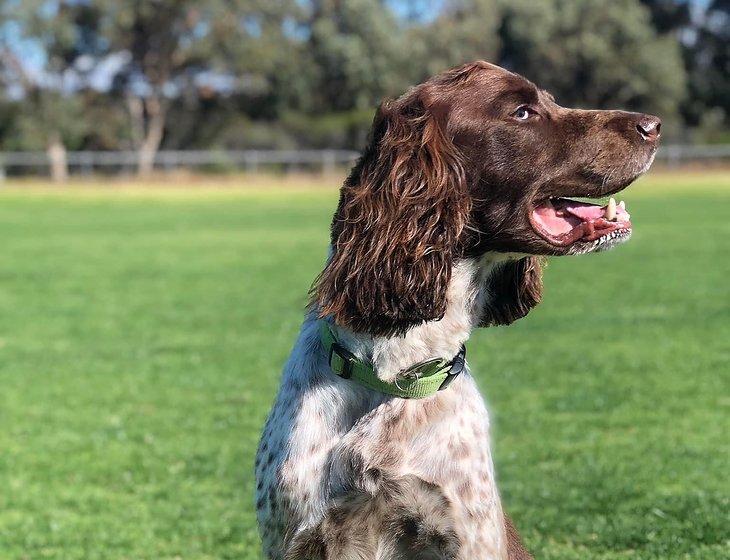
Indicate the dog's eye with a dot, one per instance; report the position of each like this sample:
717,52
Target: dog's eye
523,113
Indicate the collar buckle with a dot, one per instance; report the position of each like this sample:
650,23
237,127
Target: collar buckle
457,366
347,357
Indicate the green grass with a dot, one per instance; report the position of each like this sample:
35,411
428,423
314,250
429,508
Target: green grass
142,335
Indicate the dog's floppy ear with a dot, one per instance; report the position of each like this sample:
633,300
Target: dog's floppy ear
512,290
400,214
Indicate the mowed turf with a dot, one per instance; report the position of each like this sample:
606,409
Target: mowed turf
142,333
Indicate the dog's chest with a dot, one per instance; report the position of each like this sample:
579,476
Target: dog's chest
314,448
292,465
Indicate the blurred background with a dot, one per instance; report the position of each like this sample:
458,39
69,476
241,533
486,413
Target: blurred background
108,86
168,173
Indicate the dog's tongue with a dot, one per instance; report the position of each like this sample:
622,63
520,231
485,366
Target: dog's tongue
564,220
585,212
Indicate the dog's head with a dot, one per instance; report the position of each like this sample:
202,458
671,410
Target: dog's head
475,160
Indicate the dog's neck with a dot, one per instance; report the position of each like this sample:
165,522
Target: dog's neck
466,298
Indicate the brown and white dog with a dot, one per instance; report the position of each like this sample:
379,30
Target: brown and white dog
439,230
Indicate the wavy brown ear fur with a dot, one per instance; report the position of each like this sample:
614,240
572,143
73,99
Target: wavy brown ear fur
514,289
400,214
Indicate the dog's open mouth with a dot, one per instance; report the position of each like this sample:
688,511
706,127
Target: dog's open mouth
562,221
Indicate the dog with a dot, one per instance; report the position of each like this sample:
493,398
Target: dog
377,446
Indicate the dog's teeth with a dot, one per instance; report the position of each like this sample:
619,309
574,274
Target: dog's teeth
611,210
622,205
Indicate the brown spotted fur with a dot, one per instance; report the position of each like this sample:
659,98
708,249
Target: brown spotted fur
431,239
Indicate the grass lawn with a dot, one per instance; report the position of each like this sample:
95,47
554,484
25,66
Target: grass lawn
142,333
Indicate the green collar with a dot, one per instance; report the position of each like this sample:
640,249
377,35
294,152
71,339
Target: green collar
418,381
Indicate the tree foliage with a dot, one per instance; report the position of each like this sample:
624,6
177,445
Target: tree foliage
595,54
464,30
296,73
52,107
708,59
354,54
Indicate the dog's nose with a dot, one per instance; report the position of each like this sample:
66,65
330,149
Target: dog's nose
649,127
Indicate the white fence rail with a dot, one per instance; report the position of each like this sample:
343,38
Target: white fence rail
86,162
678,153
126,161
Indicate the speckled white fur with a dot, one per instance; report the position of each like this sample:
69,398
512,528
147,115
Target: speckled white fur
319,422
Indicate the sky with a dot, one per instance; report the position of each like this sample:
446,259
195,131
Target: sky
420,10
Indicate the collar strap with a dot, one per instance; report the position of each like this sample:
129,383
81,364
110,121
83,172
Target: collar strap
418,381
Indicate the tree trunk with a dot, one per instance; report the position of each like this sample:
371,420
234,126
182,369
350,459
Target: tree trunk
57,157
136,117
147,136
155,128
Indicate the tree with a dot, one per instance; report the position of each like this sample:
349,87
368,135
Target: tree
669,15
145,74
354,54
594,53
51,111
180,47
708,61
462,31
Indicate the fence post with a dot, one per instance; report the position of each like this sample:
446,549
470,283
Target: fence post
251,161
87,166
167,160
674,156
328,162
